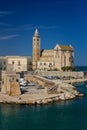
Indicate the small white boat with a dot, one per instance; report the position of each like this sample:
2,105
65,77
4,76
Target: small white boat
31,84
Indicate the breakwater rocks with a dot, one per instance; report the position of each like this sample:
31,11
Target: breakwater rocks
61,97
64,92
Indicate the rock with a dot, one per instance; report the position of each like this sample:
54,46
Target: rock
66,96
31,102
62,97
69,95
44,101
80,95
55,99
74,92
72,96
39,102
49,100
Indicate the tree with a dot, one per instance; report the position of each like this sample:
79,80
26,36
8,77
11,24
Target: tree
69,68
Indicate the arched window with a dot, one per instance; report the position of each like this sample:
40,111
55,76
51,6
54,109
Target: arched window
71,59
50,64
37,39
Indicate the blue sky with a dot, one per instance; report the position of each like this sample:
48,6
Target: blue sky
58,21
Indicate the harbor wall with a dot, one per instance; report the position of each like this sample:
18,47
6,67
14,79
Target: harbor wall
62,74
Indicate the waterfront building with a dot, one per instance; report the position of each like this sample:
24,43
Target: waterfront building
15,63
3,63
51,59
18,63
56,58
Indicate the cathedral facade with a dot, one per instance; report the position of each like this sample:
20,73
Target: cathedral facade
56,58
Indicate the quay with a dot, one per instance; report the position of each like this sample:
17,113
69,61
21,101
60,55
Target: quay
75,80
45,90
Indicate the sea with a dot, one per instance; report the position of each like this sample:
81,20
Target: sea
63,115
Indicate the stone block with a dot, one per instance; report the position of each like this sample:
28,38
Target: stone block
14,89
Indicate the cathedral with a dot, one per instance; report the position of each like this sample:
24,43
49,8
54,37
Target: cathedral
56,58
52,59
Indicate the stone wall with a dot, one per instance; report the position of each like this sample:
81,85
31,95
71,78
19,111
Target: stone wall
14,89
61,74
39,80
10,84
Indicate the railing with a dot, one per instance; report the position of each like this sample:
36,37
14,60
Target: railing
52,89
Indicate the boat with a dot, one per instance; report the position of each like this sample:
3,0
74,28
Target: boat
31,84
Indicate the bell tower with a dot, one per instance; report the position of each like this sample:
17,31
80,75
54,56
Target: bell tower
36,49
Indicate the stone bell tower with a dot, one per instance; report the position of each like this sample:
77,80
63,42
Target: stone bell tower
36,49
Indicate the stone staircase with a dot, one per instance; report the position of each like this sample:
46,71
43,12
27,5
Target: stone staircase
52,89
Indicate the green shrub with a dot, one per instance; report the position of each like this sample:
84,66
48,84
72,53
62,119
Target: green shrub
69,68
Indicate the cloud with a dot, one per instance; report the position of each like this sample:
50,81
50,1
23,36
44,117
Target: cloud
24,28
5,24
8,37
9,30
3,13
46,27
29,27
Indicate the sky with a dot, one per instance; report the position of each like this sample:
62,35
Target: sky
58,21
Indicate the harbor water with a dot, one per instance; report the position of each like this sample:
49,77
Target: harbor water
64,115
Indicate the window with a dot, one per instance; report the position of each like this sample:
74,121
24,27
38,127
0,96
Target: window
0,63
2,82
4,63
12,78
19,63
44,63
38,53
40,63
37,39
30,63
17,80
50,64
4,68
71,59
38,44
12,62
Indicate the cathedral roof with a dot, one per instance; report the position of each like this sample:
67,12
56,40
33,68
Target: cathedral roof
66,47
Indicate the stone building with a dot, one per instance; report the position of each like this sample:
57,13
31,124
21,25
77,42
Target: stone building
36,50
3,63
15,63
18,63
56,58
60,56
